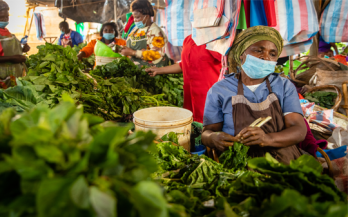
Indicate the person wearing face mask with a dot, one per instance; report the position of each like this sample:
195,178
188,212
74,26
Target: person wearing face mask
12,60
252,90
146,42
108,34
68,37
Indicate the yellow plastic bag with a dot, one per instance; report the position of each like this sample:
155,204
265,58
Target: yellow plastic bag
103,50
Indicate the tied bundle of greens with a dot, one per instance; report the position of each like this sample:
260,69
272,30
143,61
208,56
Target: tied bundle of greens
321,98
63,162
170,85
235,158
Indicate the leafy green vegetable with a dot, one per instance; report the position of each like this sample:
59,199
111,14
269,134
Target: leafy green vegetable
169,85
63,162
235,157
321,98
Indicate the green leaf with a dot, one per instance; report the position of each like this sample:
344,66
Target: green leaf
80,193
103,204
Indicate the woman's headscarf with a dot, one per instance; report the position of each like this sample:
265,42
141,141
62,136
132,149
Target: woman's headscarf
4,5
249,37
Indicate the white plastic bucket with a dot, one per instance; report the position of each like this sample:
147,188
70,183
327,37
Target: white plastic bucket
163,120
100,61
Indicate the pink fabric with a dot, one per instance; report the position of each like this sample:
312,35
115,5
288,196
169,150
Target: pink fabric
310,144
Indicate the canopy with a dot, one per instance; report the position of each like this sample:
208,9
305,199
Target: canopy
98,11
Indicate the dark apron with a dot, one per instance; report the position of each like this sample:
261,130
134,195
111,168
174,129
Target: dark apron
245,113
140,43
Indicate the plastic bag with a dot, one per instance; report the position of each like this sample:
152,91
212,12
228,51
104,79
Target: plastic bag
102,50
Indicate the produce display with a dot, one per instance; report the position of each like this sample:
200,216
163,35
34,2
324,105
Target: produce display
64,162
55,70
322,98
170,85
207,188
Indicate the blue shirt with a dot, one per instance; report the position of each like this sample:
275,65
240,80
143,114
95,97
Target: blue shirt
218,106
76,38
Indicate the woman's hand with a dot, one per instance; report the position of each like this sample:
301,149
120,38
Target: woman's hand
153,71
254,136
222,141
26,48
127,52
81,55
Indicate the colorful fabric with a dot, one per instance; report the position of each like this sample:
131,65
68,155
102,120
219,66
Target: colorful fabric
323,45
231,12
334,22
242,19
207,13
201,69
75,37
310,144
297,48
178,23
80,28
324,119
249,37
257,13
4,33
307,108
129,23
40,26
270,12
247,12
89,49
174,52
296,20
155,43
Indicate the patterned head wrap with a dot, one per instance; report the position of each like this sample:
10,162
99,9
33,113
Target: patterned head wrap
4,5
249,37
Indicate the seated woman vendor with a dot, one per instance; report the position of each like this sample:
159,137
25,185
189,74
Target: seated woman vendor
108,34
146,42
253,91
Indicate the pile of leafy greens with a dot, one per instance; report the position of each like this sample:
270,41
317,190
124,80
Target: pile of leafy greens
322,98
208,188
169,85
55,71
64,162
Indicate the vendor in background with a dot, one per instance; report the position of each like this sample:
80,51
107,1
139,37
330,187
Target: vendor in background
146,43
68,36
253,91
12,60
201,69
325,48
108,33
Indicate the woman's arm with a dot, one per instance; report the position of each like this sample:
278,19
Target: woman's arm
214,138
88,50
173,69
13,59
295,132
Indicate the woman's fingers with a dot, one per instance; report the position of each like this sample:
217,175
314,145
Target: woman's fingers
251,131
255,142
251,139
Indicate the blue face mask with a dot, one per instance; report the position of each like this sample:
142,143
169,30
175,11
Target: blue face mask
257,68
140,24
3,24
62,32
109,36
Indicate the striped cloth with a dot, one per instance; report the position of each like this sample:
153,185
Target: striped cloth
296,20
178,23
231,11
173,52
292,49
334,22
207,13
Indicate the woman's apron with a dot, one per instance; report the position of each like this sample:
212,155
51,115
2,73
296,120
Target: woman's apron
245,113
11,46
140,43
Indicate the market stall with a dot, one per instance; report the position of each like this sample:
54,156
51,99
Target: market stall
113,141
